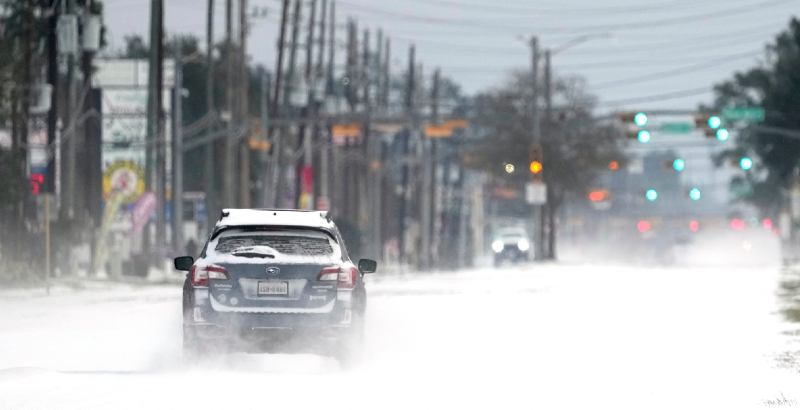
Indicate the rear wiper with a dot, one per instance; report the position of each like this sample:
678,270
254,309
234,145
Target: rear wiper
252,252
254,255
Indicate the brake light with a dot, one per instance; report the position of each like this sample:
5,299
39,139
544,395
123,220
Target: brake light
202,274
329,274
345,276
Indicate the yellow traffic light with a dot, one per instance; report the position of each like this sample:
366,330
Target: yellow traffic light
536,167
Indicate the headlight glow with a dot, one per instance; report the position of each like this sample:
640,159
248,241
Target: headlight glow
523,245
497,246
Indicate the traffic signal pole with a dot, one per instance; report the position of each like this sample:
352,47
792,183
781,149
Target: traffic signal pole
535,142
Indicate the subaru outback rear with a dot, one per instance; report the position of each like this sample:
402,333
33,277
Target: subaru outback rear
274,281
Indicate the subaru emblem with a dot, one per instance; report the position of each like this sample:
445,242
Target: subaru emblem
273,270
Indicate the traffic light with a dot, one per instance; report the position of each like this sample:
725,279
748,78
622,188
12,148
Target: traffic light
711,125
37,180
536,167
599,195
651,195
637,118
635,123
694,225
694,194
678,164
613,165
745,163
640,119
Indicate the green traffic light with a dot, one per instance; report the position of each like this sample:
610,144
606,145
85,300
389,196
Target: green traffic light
640,119
694,194
643,136
678,164
723,134
651,195
746,163
714,122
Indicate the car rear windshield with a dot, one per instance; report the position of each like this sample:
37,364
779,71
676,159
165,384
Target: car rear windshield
287,243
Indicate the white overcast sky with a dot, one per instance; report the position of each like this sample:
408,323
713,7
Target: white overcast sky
640,48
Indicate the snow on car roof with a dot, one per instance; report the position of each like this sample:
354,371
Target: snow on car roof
281,217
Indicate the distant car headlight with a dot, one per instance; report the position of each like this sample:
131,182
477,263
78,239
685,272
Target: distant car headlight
523,245
497,246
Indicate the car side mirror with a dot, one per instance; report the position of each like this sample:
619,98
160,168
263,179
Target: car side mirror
184,263
367,266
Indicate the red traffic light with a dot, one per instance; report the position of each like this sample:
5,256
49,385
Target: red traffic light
643,226
599,195
36,180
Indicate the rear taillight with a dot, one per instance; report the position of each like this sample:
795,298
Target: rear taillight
202,274
345,276
330,273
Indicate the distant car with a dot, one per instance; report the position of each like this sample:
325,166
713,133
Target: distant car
274,281
510,245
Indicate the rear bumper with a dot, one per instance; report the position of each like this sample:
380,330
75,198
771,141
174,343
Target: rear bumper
210,320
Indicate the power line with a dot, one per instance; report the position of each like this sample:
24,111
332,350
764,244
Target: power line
638,25
615,64
673,72
505,8
690,92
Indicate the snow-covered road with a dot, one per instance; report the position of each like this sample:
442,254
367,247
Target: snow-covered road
576,336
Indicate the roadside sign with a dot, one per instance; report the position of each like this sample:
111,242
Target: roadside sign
747,114
142,211
438,131
676,127
341,132
536,193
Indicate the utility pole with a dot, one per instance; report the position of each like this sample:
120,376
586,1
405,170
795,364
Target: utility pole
244,109
375,155
548,218
273,192
263,175
24,96
329,76
69,145
536,143
154,134
161,161
362,174
228,168
209,173
321,173
433,208
52,79
289,87
325,153
177,152
387,62
305,198
210,56
404,189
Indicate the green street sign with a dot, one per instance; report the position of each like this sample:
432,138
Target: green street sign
747,114
675,127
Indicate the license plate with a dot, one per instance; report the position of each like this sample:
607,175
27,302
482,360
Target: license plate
273,288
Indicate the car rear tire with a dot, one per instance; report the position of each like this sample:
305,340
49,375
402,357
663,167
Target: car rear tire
191,345
349,348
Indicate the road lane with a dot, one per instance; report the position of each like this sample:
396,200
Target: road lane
552,336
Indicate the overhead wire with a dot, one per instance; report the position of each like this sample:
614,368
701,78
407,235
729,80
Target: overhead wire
638,25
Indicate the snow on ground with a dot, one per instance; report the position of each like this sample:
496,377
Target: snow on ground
552,336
